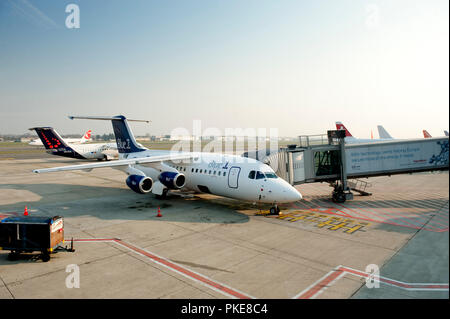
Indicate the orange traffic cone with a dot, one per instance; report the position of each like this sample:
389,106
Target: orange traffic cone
159,213
25,211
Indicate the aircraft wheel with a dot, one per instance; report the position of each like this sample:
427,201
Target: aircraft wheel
274,210
164,194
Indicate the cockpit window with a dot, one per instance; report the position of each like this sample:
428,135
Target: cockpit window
260,175
251,175
271,175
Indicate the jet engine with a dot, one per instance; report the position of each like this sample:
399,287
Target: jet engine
140,184
172,180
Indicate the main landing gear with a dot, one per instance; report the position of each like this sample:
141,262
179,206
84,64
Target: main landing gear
163,195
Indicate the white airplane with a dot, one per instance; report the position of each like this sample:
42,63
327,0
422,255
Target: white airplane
350,139
219,174
56,145
86,137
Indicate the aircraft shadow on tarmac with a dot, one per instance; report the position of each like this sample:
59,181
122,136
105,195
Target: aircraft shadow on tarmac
114,203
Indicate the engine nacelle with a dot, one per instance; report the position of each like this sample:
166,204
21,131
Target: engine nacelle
140,184
172,180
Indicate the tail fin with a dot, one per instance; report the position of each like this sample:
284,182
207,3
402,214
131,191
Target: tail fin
340,126
54,143
126,143
383,133
86,137
446,133
426,134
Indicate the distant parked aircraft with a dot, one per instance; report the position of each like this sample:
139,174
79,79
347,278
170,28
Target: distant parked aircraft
56,145
86,137
428,135
350,139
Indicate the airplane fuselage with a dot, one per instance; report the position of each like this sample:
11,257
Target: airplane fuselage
86,151
225,175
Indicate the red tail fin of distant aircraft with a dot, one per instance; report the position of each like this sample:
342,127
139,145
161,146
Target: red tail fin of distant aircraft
426,134
86,137
340,126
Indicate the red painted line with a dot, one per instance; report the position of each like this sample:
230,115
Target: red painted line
318,209
187,272
420,217
361,216
405,219
177,268
92,239
381,221
328,280
321,285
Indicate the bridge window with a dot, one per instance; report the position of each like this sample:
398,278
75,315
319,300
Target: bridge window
271,175
251,175
260,175
327,163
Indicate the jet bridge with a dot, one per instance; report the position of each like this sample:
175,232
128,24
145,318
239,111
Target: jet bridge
326,158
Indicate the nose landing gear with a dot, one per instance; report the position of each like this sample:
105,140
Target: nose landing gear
274,210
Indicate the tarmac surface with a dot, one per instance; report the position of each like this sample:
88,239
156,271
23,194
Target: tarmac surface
206,246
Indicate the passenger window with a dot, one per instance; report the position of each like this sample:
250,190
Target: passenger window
201,170
224,173
214,172
209,172
260,175
192,170
196,170
251,175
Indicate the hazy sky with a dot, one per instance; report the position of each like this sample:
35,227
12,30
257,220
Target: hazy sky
298,66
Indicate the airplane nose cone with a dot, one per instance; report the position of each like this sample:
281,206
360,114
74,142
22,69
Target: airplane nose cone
292,195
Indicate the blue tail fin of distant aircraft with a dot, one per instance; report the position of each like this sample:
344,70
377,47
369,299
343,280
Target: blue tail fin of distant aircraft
126,142
446,133
54,143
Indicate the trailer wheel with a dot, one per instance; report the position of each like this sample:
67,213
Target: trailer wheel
13,256
45,257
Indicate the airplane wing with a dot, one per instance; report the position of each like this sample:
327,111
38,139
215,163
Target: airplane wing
124,162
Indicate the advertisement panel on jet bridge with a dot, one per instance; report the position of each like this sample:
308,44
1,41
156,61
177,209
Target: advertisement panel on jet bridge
395,156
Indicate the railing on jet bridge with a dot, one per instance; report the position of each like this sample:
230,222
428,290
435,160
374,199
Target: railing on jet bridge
315,140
